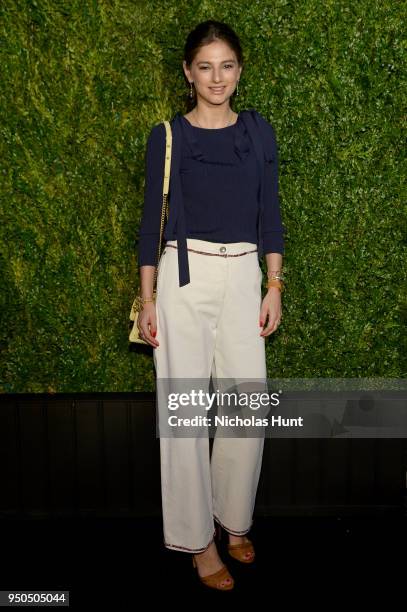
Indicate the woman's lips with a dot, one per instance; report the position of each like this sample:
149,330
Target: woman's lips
217,90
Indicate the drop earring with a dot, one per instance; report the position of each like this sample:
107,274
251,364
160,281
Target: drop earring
237,88
191,95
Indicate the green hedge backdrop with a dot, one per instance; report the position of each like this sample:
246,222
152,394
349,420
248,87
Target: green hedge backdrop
83,82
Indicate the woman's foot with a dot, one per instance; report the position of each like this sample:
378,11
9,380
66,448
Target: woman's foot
209,562
233,540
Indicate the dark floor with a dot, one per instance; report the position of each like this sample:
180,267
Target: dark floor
115,562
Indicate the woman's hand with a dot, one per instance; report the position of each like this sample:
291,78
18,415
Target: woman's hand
271,307
147,324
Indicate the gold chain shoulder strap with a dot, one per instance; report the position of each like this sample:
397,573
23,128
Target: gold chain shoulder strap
166,184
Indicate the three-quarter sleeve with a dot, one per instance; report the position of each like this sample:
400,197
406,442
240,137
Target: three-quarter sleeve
272,229
149,232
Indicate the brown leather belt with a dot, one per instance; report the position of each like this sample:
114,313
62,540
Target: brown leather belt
217,254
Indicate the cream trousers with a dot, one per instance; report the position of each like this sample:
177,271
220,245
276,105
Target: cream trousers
209,327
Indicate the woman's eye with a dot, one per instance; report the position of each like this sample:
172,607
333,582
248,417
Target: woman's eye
226,66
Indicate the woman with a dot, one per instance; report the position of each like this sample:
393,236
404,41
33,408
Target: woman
223,214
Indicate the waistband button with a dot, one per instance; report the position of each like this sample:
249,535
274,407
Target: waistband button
222,249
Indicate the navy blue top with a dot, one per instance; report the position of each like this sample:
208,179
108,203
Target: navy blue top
220,184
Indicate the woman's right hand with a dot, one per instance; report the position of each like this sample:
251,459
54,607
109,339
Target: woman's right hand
147,324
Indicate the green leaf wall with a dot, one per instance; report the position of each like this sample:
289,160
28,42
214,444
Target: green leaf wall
83,82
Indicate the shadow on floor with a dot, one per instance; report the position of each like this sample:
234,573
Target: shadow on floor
115,562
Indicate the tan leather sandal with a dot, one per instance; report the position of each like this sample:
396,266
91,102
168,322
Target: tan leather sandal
238,551
214,580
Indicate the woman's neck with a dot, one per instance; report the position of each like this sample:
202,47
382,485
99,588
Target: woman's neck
210,120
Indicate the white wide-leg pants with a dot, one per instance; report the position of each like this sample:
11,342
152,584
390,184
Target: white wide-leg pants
209,327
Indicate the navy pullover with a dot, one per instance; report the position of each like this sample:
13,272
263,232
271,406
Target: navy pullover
218,190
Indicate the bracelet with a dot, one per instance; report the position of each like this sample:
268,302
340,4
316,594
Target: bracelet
275,283
141,301
279,278
271,271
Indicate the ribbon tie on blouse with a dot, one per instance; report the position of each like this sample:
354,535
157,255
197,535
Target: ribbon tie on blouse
183,130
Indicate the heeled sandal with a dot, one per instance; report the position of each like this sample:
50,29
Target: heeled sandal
214,580
238,551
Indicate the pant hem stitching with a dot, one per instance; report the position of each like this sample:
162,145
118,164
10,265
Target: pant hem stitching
231,531
192,550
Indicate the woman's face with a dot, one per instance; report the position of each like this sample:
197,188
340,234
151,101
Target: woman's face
214,72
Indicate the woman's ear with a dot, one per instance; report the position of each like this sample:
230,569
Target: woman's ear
187,72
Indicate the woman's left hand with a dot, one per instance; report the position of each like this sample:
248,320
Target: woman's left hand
271,307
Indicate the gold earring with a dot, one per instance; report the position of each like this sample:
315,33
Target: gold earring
191,95
237,88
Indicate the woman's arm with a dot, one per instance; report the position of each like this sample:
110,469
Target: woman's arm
149,233
273,229
272,233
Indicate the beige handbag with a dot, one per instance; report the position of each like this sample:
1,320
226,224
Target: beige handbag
137,303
